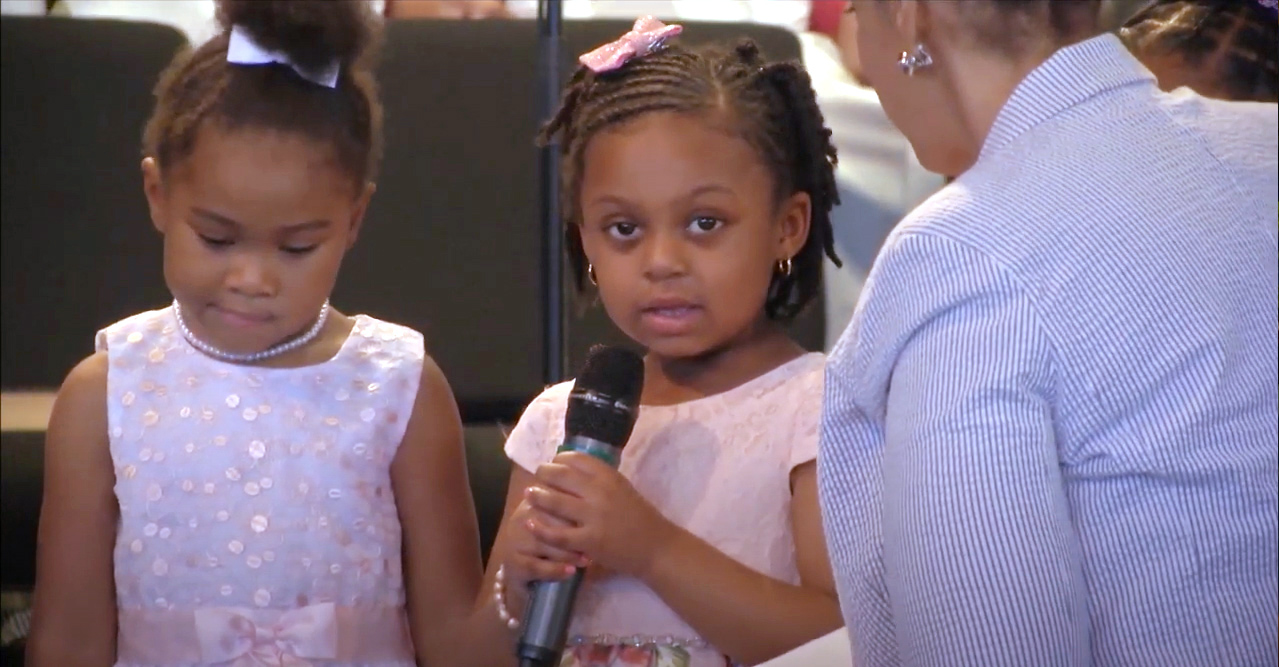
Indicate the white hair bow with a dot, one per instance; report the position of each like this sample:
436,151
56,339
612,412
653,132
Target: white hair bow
243,50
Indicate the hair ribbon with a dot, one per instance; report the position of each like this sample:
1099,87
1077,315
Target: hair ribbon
244,50
645,37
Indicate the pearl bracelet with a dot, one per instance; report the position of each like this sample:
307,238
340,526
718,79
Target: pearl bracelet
499,598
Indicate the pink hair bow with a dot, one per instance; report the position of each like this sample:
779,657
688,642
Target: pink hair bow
645,37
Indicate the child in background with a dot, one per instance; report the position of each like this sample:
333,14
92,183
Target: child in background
249,476
1227,49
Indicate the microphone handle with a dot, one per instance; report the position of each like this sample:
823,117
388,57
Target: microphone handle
546,621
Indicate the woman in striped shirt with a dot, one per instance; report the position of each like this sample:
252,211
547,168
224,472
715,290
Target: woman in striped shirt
1049,431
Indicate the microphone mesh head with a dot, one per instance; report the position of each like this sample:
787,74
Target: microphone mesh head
605,398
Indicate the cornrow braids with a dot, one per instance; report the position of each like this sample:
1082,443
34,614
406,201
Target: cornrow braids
772,106
200,86
1235,39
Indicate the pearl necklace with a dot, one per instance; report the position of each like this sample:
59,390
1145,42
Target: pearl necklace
252,356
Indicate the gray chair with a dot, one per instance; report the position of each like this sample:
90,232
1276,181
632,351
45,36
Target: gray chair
78,247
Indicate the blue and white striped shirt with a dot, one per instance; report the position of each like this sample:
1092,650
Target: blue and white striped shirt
1050,430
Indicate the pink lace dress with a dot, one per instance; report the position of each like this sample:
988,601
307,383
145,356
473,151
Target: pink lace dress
719,467
257,523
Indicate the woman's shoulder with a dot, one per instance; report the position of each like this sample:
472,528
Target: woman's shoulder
941,213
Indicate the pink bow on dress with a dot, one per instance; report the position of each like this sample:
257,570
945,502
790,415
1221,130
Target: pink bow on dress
645,37
298,636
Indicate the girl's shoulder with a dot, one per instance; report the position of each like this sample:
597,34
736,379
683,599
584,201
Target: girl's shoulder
370,334
799,381
540,428
368,326
135,328
805,369
549,406
378,348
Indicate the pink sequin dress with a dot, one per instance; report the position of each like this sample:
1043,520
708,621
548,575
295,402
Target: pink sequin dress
719,467
257,521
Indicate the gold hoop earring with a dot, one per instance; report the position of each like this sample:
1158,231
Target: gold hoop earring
784,266
590,275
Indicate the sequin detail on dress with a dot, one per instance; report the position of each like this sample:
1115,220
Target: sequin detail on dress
256,503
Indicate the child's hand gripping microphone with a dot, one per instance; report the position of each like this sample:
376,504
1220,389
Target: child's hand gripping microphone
602,409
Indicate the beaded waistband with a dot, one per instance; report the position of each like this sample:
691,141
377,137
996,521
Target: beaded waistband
640,640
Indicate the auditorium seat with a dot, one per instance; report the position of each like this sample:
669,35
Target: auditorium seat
78,250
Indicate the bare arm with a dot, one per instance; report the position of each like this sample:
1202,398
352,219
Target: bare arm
437,515
493,642
74,621
751,616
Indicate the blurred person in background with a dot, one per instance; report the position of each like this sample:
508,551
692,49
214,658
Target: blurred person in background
792,14
195,18
23,7
445,9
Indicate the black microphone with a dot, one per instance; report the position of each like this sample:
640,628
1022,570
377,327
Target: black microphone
601,415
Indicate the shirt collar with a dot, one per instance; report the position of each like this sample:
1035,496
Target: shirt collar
1072,75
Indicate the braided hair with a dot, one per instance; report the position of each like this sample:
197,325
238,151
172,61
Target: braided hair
200,86
772,106
1237,40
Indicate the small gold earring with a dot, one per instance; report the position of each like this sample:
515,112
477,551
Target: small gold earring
590,275
784,266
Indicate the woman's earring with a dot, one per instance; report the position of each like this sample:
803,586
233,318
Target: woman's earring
590,275
917,59
784,267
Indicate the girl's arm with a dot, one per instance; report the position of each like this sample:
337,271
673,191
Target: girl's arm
753,617
74,620
493,641
437,515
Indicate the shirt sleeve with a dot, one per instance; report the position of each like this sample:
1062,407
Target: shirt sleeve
944,506
808,416
536,435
